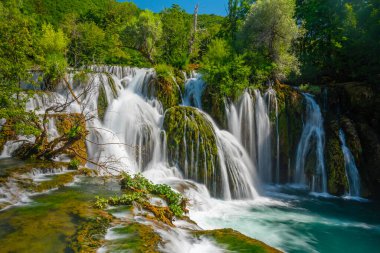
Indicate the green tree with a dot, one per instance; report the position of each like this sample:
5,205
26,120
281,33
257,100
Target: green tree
17,57
224,71
176,36
271,28
88,42
143,34
54,46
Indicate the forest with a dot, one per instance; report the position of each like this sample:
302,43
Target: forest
170,131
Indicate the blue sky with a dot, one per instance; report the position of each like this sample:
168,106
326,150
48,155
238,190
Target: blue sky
205,6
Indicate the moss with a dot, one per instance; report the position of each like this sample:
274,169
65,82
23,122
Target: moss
48,224
102,103
337,179
65,124
191,145
359,94
352,139
235,241
28,166
165,86
56,181
7,133
90,235
140,238
290,111
214,105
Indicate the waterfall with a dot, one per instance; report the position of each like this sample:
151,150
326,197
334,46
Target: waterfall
131,136
241,123
236,165
249,121
351,169
312,141
272,101
194,88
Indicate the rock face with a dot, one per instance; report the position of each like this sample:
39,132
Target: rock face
290,113
354,108
337,180
191,144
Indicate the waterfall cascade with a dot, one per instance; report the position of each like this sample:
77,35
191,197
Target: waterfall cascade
194,88
249,121
132,138
132,135
312,143
351,169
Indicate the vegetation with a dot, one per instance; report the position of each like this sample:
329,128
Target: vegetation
235,241
139,190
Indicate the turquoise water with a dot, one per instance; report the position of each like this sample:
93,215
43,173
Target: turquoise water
295,221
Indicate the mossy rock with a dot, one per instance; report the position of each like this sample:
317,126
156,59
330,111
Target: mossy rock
191,144
7,133
56,181
214,105
64,124
139,238
102,103
234,241
360,95
90,235
290,112
166,85
337,180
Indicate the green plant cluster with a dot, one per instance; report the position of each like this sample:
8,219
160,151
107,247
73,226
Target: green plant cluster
139,189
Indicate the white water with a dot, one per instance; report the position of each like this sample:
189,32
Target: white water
351,169
312,140
194,87
249,122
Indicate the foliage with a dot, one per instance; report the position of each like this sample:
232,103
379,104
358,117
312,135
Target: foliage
270,29
143,34
139,189
54,45
341,40
223,70
310,88
176,25
74,164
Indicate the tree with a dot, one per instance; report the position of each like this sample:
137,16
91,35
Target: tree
176,36
237,13
271,28
17,58
54,46
225,72
143,34
87,42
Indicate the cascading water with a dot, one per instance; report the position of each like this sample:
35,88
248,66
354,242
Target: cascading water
272,102
241,123
263,128
194,87
351,169
312,141
135,121
249,122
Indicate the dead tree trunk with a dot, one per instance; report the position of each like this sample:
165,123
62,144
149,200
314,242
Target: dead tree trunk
194,31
